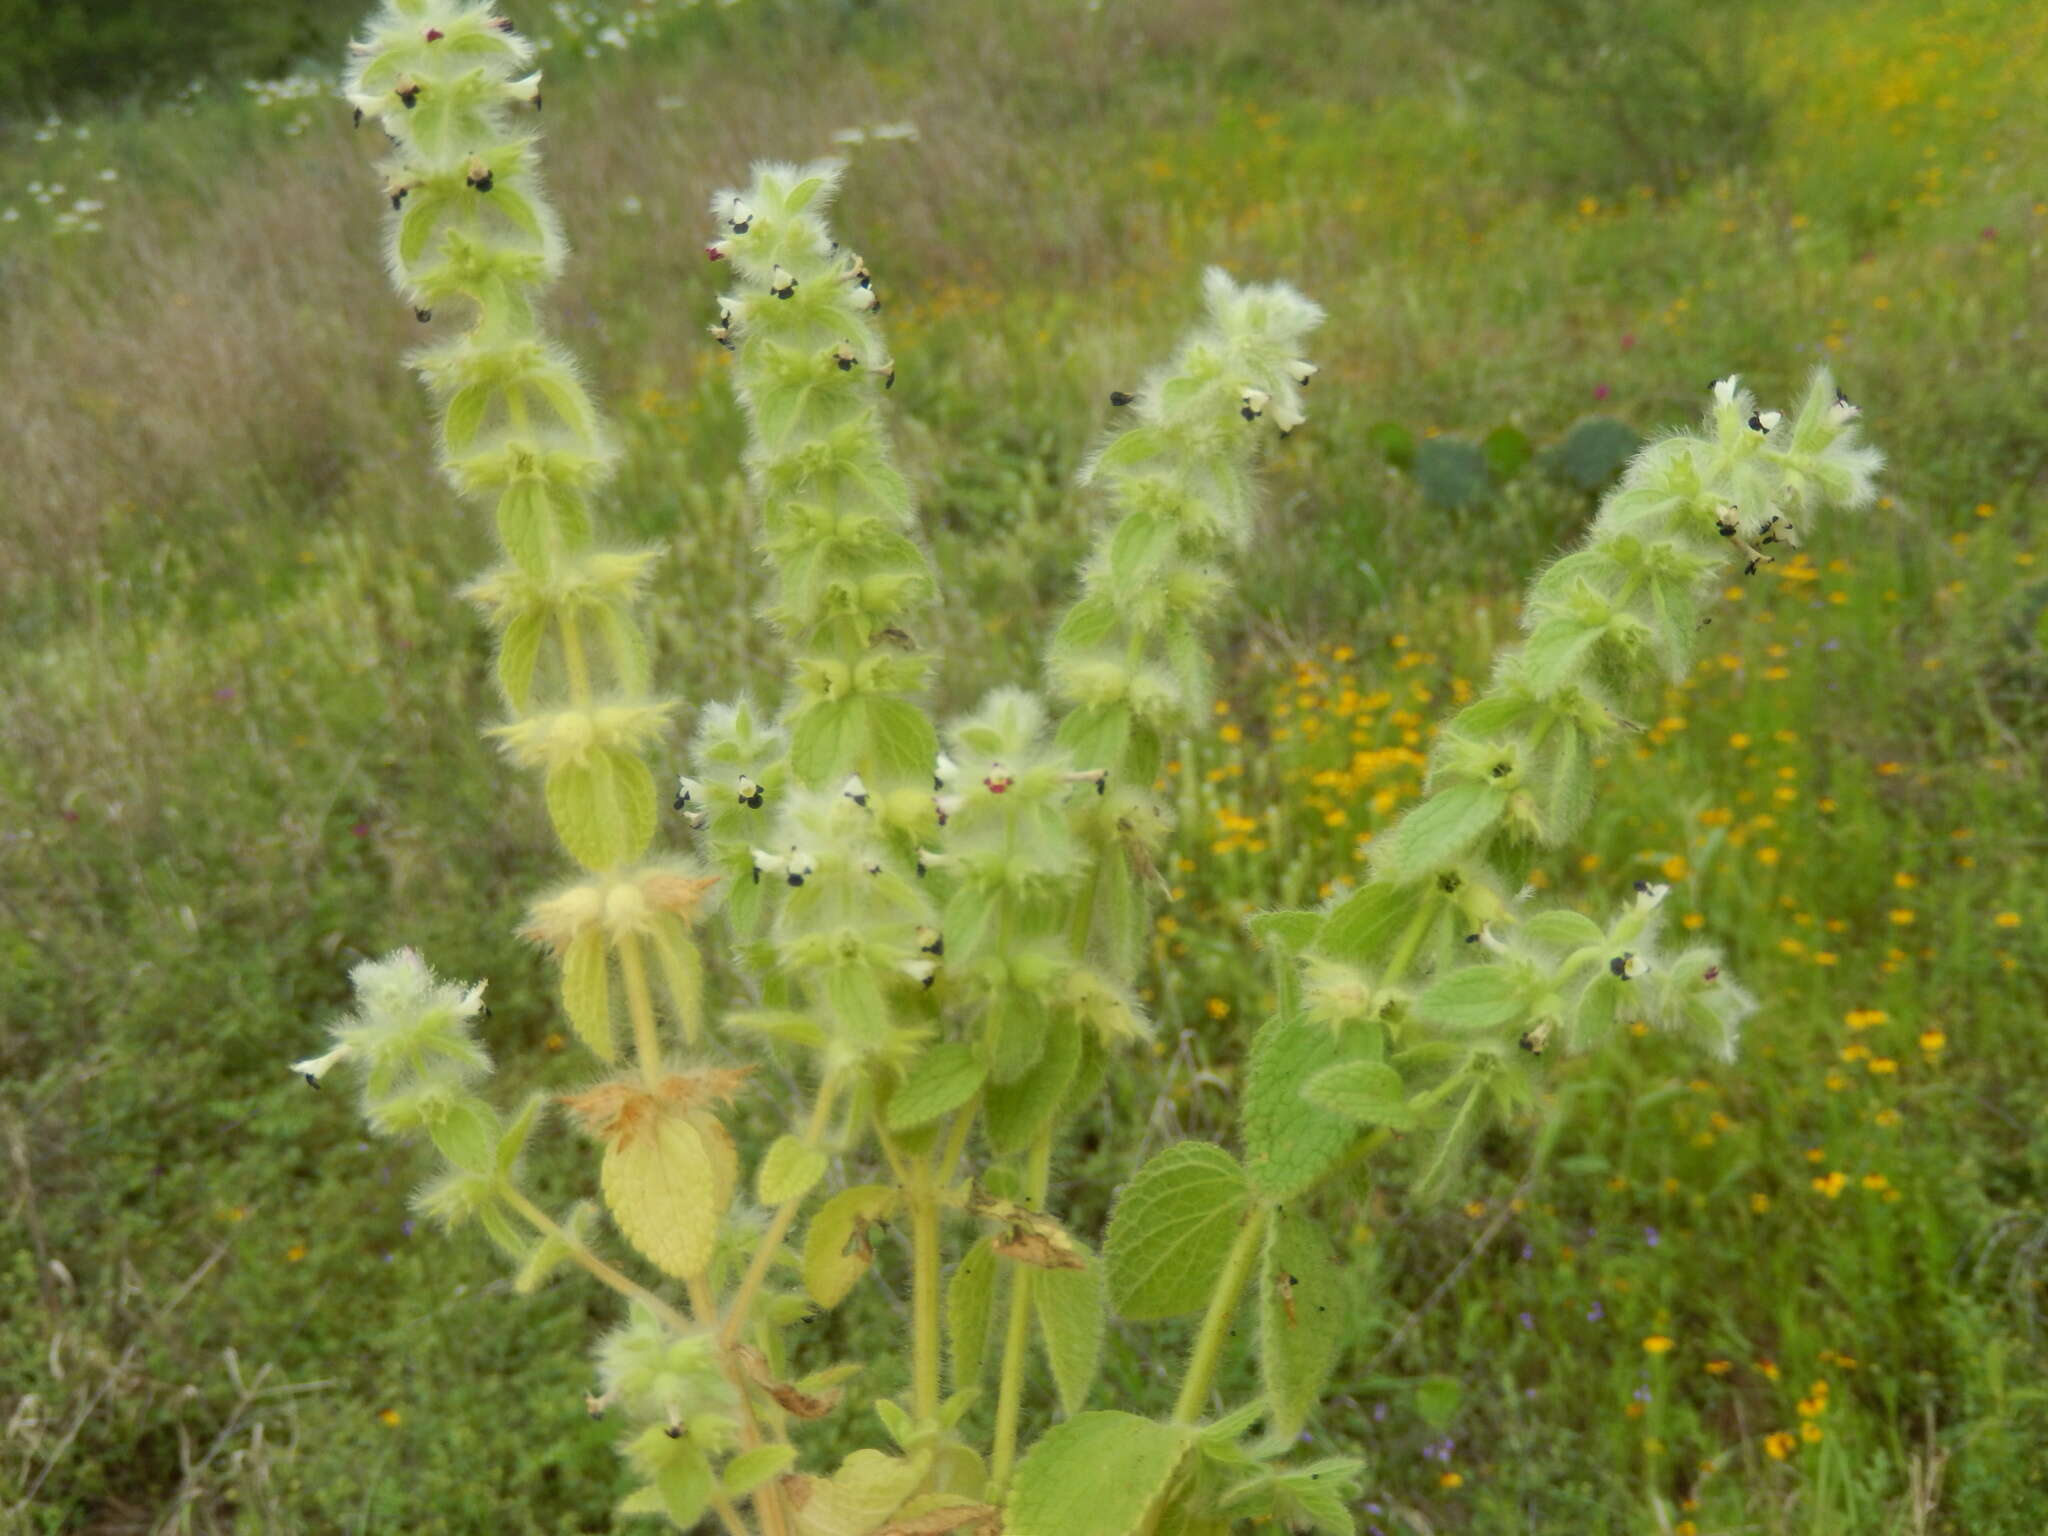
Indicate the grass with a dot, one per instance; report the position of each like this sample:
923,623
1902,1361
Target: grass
243,710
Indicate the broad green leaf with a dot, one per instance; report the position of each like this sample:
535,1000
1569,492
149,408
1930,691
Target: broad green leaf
901,741
518,655
1364,928
1480,996
864,1492
1015,1112
1172,1228
466,1133
680,1476
1088,624
970,1309
1363,1092
525,523
1069,1307
1097,734
837,1251
1563,930
827,739
1441,830
662,1189
1291,1143
1556,653
1015,1026
860,1016
586,992
789,1171
1099,1474
750,1469
464,415
1300,1321
602,807
945,1077
1288,932
513,1142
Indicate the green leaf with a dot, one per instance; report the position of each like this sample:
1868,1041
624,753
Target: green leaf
1015,1027
1442,830
602,808
1088,624
586,992
1363,1092
945,1077
789,1171
901,740
836,1247
1069,1307
1481,996
1015,1112
1288,932
970,1311
1290,1143
1099,1474
513,1142
518,655
1172,1228
860,1015
827,740
1367,924
1559,928
1300,1321
1436,1399
1096,735
525,523
467,1135
750,1469
1556,653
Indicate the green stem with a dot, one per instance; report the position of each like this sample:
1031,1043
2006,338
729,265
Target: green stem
924,1295
1208,1351
1017,1340
572,657
1411,940
640,1008
632,1290
778,1227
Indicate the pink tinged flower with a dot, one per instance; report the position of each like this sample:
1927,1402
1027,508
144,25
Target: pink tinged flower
1599,391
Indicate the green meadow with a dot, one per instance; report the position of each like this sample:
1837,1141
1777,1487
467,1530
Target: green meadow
241,706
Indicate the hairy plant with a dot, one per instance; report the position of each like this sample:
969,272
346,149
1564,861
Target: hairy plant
940,929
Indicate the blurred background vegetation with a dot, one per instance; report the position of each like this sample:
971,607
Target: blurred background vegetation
1801,1293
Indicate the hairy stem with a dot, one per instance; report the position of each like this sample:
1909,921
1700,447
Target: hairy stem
632,1290
1208,1351
640,1008
1017,1338
573,661
924,1293
778,1227
767,1501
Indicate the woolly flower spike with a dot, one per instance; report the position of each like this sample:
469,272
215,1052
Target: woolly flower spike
836,513
1129,657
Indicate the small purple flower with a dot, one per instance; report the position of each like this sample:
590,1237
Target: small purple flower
1599,391
1650,1236
406,1226
1641,1394
1595,1312
223,695
360,829
1379,1413
1528,1251
1526,1320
